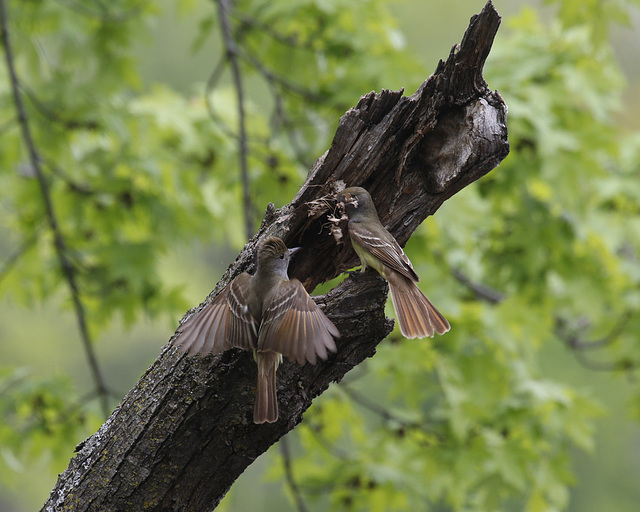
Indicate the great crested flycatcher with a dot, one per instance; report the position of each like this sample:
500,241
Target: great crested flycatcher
377,248
267,313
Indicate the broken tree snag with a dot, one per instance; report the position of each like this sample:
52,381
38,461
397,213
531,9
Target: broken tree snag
184,433
410,152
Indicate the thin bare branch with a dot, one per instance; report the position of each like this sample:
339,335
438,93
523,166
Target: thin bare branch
291,41
328,446
55,117
283,82
575,342
480,290
78,188
571,340
60,245
579,346
231,50
376,408
281,117
288,471
604,366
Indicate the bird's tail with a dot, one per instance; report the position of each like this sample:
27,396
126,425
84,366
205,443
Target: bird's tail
266,406
416,316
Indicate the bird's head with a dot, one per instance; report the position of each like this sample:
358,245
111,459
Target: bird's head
356,201
274,252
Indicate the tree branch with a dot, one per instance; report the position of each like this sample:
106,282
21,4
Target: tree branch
580,347
55,117
481,291
184,433
292,41
232,54
288,471
270,76
572,340
67,268
378,409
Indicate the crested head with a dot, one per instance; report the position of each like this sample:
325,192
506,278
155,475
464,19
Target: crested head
274,257
357,201
270,248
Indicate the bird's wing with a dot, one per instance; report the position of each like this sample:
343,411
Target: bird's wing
384,247
222,324
242,329
294,326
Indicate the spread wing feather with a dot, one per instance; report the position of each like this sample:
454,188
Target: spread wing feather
222,324
294,326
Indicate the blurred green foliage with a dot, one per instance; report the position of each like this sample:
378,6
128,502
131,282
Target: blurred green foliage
471,421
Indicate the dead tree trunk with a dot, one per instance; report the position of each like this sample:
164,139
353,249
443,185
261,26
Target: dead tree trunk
184,433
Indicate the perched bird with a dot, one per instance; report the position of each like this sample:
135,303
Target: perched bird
377,248
267,313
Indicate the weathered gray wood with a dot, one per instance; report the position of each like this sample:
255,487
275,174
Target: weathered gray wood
184,433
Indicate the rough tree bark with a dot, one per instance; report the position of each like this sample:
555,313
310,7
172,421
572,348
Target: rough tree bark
184,433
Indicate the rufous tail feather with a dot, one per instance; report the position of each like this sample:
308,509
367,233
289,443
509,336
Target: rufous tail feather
417,317
266,406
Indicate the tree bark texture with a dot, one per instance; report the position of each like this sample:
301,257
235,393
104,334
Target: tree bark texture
184,433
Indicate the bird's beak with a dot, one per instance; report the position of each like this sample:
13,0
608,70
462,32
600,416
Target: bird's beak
293,250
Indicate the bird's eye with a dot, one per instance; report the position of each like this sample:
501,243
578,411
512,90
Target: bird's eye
282,256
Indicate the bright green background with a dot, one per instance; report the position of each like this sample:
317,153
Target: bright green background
496,415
